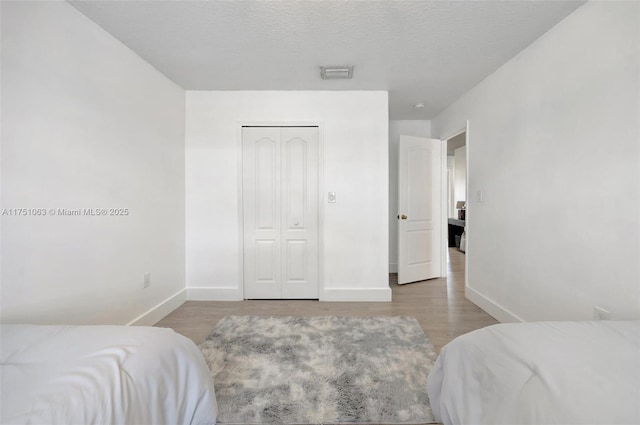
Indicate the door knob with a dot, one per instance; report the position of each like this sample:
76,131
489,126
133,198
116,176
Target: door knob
404,217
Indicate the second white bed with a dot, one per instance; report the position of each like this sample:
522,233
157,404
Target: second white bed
540,373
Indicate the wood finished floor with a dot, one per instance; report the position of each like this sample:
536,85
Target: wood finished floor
439,306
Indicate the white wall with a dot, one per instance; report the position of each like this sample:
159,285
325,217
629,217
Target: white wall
554,145
460,162
417,128
87,124
354,129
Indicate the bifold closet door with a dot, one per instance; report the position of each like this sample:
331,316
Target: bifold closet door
280,212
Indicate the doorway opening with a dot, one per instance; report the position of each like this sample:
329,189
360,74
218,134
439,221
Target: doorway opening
457,190
457,197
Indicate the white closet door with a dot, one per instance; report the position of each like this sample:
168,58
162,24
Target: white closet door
280,192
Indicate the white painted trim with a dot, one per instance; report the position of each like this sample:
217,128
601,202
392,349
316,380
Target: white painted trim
500,313
321,206
469,212
467,227
157,313
393,267
444,208
240,175
215,294
321,199
356,294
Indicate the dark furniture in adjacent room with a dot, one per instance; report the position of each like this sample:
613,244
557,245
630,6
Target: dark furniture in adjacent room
456,227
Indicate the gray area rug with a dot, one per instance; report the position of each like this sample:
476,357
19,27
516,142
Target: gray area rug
320,370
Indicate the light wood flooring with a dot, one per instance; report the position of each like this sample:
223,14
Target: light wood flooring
438,304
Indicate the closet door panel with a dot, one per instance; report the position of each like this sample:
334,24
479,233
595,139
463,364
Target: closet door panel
261,211
300,207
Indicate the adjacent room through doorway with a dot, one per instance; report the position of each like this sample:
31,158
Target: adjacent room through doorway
457,181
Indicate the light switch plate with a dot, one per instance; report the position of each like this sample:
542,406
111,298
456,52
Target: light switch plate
332,197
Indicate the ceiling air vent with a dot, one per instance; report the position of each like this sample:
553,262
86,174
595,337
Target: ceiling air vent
334,72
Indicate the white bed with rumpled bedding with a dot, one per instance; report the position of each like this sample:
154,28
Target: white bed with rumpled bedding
540,373
103,375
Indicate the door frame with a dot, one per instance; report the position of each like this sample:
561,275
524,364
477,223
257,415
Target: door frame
321,206
461,129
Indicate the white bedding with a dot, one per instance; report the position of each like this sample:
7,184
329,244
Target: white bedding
103,375
540,373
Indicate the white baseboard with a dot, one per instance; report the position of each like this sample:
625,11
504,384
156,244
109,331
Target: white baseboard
160,311
356,294
500,313
353,295
214,294
393,267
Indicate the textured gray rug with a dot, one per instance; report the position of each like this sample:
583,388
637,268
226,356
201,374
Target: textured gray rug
320,370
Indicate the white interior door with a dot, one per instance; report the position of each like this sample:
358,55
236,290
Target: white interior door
419,209
280,212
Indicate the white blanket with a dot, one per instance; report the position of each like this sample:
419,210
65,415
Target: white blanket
540,373
103,375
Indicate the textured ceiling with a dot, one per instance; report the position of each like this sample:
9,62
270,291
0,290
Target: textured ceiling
420,51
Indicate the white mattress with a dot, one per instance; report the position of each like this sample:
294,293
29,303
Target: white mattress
103,375
540,373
